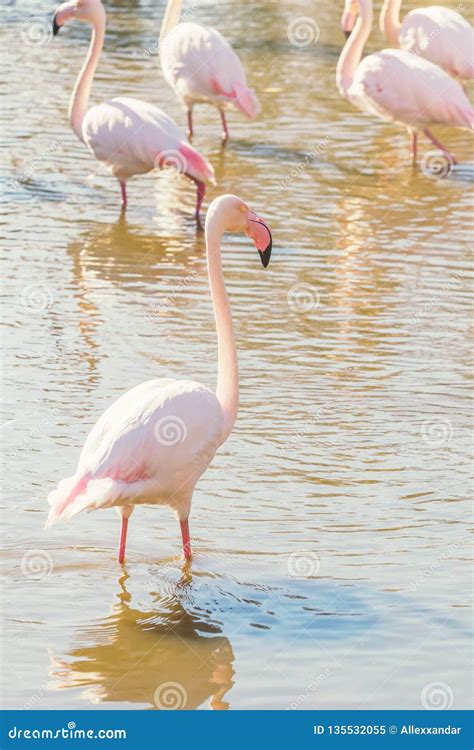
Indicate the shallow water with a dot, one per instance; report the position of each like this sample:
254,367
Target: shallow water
331,548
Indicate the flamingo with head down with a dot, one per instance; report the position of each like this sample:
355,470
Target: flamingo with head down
152,445
129,135
397,86
201,66
441,35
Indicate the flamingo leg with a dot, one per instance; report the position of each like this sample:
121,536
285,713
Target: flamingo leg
413,146
225,130
123,190
123,540
201,191
190,123
187,551
439,145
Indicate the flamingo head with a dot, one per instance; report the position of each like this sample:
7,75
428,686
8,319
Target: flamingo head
349,16
90,11
232,214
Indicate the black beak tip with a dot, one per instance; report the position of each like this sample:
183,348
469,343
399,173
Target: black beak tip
347,34
55,27
265,255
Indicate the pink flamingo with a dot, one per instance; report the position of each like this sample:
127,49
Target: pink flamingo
201,66
129,135
152,445
396,85
440,35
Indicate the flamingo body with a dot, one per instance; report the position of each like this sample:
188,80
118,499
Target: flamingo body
131,135
404,88
201,66
442,36
396,85
150,446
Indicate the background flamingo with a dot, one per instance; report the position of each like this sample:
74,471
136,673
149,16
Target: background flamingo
129,135
396,85
440,35
201,67
152,445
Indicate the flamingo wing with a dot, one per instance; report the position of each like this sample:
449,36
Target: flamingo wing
200,64
398,86
151,445
442,36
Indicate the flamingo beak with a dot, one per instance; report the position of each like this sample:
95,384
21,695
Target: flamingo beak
347,34
260,233
56,27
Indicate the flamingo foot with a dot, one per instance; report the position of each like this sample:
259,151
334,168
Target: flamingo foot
190,123
225,130
123,190
123,540
439,145
187,551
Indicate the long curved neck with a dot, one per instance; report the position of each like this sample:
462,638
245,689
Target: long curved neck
82,88
227,390
354,47
171,17
390,21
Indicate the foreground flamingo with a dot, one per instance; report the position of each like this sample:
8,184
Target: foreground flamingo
131,136
152,445
396,85
440,35
201,66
